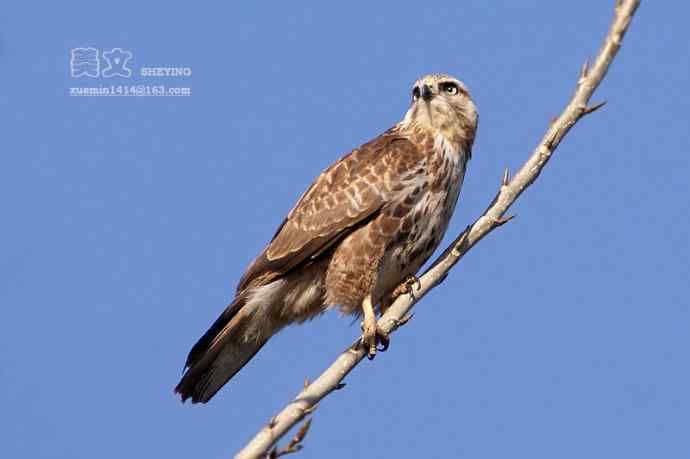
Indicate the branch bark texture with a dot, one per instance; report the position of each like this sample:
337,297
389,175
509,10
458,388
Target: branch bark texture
510,189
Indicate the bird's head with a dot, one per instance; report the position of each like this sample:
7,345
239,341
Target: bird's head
443,104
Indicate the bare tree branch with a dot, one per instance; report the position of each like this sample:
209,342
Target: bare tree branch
493,217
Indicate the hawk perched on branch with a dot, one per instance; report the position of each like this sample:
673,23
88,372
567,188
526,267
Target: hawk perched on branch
364,227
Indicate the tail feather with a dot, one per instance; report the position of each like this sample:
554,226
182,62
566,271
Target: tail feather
219,354
254,316
201,382
201,346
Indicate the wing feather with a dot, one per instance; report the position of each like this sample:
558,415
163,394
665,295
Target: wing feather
347,194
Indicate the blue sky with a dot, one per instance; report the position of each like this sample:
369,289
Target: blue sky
128,220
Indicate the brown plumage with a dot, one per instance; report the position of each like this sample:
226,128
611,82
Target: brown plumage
366,224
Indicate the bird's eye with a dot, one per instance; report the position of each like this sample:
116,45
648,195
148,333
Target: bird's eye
450,88
415,94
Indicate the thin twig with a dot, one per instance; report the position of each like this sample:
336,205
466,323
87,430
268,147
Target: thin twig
510,189
295,444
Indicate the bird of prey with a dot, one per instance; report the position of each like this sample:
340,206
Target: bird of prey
355,238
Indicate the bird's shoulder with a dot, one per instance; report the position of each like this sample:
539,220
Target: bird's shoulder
367,167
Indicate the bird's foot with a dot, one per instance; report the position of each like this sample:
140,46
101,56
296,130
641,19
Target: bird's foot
407,286
372,335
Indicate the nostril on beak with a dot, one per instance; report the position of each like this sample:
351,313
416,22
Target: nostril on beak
426,92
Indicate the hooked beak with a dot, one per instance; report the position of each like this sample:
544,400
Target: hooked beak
426,93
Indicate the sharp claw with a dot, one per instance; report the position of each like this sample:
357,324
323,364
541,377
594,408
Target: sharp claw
379,338
412,282
382,338
385,342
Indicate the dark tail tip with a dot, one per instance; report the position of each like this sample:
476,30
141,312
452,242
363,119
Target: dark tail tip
184,392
